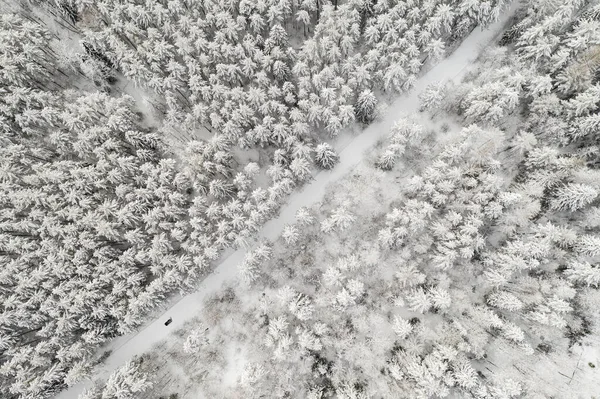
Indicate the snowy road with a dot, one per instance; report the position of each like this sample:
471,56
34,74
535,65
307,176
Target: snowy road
184,309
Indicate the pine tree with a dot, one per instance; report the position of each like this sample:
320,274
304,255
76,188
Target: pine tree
588,245
573,197
196,340
505,300
325,156
583,273
290,234
365,106
387,160
300,168
342,218
304,217
433,95
402,327
125,383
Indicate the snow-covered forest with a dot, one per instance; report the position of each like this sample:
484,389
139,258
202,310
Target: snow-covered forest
147,146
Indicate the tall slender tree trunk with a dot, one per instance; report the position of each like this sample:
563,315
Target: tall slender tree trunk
318,10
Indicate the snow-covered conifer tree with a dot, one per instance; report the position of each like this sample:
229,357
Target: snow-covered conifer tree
433,95
574,197
325,156
290,234
365,107
125,383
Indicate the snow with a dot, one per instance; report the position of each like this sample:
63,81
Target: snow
235,364
184,309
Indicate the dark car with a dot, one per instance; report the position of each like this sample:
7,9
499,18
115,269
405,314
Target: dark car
169,321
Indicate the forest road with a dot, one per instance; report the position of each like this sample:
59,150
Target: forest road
451,68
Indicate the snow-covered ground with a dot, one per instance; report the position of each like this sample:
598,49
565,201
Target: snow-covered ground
184,309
